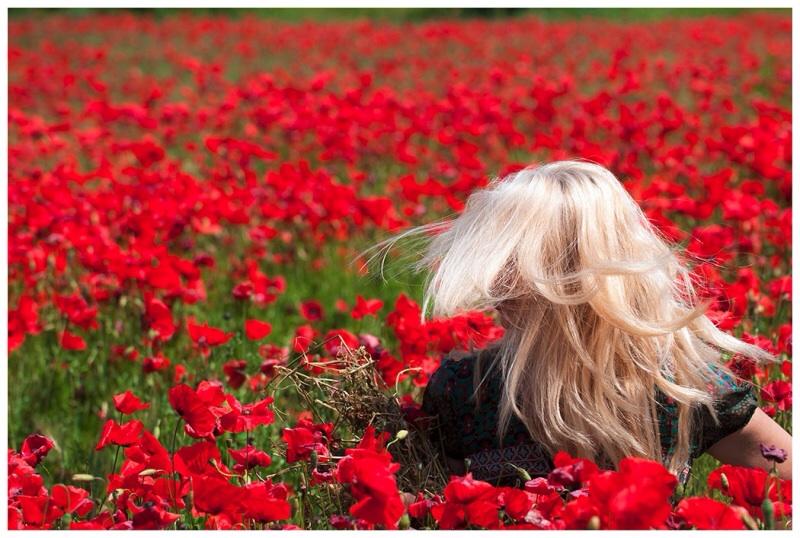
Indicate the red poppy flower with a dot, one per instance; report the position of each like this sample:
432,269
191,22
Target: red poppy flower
273,356
635,497
780,392
311,310
200,459
71,500
264,502
748,488
78,311
200,421
305,438
365,307
150,453
243,290
468,501
369,470
155,364
570,472
159,317
146,151
72,342
215,495
151,516
337,340
707,514
234,370
303,338
249,457
127,403
34,448
247,417
256,329
205,336
516,503
125,434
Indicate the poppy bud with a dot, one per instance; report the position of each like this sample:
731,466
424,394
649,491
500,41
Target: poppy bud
769,514
402,434
521,472
81,477
748,520
404,523
593,524
724,480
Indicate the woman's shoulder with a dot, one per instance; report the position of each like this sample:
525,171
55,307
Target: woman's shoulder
734,401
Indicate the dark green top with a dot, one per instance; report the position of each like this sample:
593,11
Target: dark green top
464,432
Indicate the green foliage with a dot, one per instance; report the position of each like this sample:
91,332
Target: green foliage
410,14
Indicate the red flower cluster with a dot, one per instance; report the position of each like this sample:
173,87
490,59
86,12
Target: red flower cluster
418,340
30,504
577,495
369,471
749,488
151,486
188,224
208,411
307,438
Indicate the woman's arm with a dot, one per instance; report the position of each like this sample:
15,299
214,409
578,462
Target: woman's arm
742,447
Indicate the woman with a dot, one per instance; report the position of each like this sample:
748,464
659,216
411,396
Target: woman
607,351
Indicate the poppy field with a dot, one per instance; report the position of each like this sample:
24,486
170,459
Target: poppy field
195,340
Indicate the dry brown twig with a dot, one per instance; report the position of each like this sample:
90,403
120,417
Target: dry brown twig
353,391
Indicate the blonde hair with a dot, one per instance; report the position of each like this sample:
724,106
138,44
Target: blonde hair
601,309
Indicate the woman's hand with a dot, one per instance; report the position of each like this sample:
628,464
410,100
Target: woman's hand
742,447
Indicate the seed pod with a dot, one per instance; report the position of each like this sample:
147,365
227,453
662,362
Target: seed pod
521,472
724,480
404,523
593,524
748,521
769,514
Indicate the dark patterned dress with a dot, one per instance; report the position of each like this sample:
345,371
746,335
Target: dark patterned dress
464,432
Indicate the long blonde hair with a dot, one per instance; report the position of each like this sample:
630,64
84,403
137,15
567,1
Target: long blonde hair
601,309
